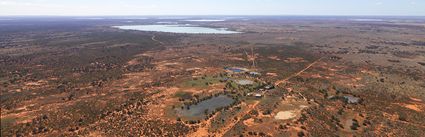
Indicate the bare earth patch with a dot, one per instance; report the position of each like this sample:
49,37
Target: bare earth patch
413,107
274,57
294,60
249,122
416,99
271,74
284,115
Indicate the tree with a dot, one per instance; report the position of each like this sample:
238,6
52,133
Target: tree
206,112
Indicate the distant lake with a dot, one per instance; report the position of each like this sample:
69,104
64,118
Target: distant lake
206,20
368,20
189,29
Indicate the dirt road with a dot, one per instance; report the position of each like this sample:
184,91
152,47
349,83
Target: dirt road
153,38
277,83
239,116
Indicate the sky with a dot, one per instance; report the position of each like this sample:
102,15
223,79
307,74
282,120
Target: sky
212,7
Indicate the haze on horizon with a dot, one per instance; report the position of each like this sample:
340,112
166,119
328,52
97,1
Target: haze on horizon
212,7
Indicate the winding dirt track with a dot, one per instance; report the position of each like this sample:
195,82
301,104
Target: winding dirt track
153,38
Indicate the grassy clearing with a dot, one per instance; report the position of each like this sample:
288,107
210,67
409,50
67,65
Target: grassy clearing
202,82
183,95
267,104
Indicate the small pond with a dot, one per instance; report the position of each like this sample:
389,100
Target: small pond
236,70
189,29
198,110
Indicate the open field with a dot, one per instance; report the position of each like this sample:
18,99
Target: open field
283,76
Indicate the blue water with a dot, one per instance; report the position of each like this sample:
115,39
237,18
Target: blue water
198,110
189,29
235,69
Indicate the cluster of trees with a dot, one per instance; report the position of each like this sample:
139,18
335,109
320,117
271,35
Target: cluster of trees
253,133
193,122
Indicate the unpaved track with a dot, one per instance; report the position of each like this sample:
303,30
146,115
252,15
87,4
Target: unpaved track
277,83
153,38
239,116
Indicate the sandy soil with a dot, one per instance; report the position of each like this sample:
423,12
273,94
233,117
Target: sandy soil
284,115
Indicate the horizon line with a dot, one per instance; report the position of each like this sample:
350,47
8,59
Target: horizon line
328,15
